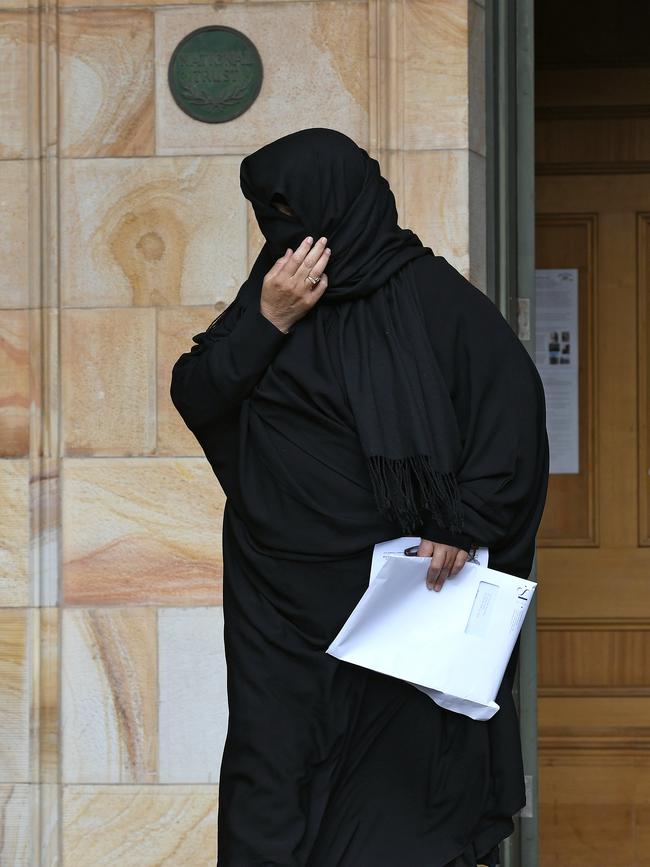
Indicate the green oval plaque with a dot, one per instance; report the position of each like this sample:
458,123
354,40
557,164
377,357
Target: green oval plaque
215,74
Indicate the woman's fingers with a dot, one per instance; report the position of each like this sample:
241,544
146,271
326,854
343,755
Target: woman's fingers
298,257
442,563
309,258
318,268
459,562
315,261
278,264
446,561
437,565
286,294
291,263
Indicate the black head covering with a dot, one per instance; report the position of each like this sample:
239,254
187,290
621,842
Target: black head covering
335,188
403,411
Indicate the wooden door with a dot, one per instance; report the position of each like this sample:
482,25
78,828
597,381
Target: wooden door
594,557
593,213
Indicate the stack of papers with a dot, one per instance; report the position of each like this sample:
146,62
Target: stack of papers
453,644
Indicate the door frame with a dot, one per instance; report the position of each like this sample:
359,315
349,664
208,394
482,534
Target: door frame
510,264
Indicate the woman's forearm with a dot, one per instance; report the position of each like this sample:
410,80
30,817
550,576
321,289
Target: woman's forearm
212,379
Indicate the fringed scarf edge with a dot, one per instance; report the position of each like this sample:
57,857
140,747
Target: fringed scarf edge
403,486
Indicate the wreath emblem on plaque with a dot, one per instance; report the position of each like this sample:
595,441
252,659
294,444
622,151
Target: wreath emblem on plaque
231,95
215,74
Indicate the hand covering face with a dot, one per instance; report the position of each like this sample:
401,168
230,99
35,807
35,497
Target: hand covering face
402,408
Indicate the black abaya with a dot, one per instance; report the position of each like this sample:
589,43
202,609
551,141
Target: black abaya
327,764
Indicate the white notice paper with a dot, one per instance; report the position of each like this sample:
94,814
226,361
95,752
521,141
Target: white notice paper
453,644
556,358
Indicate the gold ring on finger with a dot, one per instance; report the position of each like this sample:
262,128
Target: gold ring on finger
312,280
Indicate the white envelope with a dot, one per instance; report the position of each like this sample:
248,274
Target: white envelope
453,644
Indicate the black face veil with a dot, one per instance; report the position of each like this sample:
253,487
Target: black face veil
403,412
335,188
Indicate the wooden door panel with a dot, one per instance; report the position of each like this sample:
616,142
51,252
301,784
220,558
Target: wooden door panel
595,810
595,659
594,542
643,268
593,583
568,241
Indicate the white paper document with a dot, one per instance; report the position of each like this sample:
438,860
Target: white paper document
453,644
556,357
396,546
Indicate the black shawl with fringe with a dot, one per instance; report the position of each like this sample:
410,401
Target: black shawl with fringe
402,409
402,403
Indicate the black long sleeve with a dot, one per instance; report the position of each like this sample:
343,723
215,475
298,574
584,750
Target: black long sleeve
209,382
498,487
500,405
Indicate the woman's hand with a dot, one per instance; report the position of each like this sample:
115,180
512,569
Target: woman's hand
446,561
286,293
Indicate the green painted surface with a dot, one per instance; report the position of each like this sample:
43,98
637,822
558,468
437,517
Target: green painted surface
215,74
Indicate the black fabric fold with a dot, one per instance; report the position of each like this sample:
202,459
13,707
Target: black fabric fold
318,751
400,483
403,412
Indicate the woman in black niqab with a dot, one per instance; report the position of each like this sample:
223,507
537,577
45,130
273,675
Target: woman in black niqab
401,403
